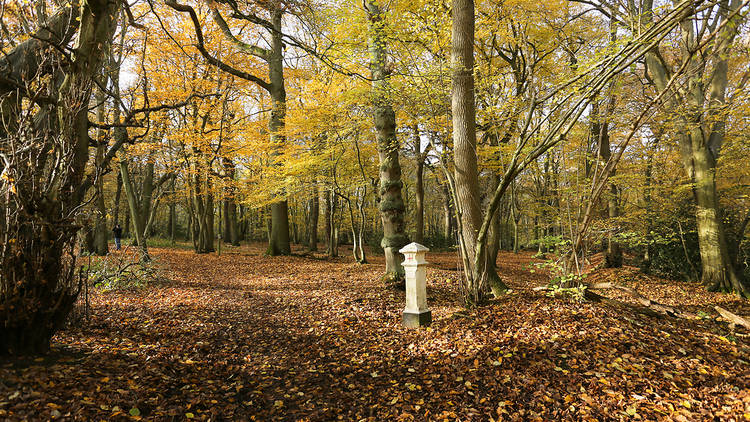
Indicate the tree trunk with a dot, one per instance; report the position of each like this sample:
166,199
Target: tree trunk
134,207
101,247
210,214
313,221
118,193
360,235
600,135
172,216
278,242
419,188
225,217
479,270
127,225
448,214
514,215
391,204
234,229
718,273
613,256
648,206
146,201
328,222
701,128
333,246
294,223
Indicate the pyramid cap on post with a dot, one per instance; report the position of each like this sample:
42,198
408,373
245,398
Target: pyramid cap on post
414,247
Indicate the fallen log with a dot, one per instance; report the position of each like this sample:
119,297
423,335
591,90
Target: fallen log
644,301
733,318
651,307
589,294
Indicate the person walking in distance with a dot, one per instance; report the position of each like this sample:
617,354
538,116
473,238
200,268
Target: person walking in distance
117,231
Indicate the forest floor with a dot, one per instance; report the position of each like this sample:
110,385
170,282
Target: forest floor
242,336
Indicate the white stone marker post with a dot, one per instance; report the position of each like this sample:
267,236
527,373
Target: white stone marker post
416,313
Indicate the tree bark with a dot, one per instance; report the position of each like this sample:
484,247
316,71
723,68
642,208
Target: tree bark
328,222
391,204
101,247
419,187
278,243
600,134
172,216
479,268
135,209
701,130
448,215
314,216
333,245
118,193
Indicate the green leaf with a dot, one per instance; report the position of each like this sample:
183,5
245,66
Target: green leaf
135,412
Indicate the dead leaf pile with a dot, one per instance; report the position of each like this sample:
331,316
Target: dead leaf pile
247,337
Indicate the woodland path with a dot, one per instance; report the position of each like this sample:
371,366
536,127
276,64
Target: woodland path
247,337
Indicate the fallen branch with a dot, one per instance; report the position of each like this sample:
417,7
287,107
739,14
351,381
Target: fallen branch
733,318
651,304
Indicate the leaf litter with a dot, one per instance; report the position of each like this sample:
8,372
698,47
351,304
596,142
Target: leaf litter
242,336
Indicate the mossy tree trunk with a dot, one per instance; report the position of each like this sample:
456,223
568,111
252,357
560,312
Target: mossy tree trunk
391,205
698,102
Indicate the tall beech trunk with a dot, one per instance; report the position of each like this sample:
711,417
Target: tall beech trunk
203,204
515,215
419,202
135,209
648,203
127,230
278,243
495,237
360,234
293,214
357,225
719,273
210,217
229,204
100,246
600,134
391,203
479,268
420,158
698,105
333,239
172,215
